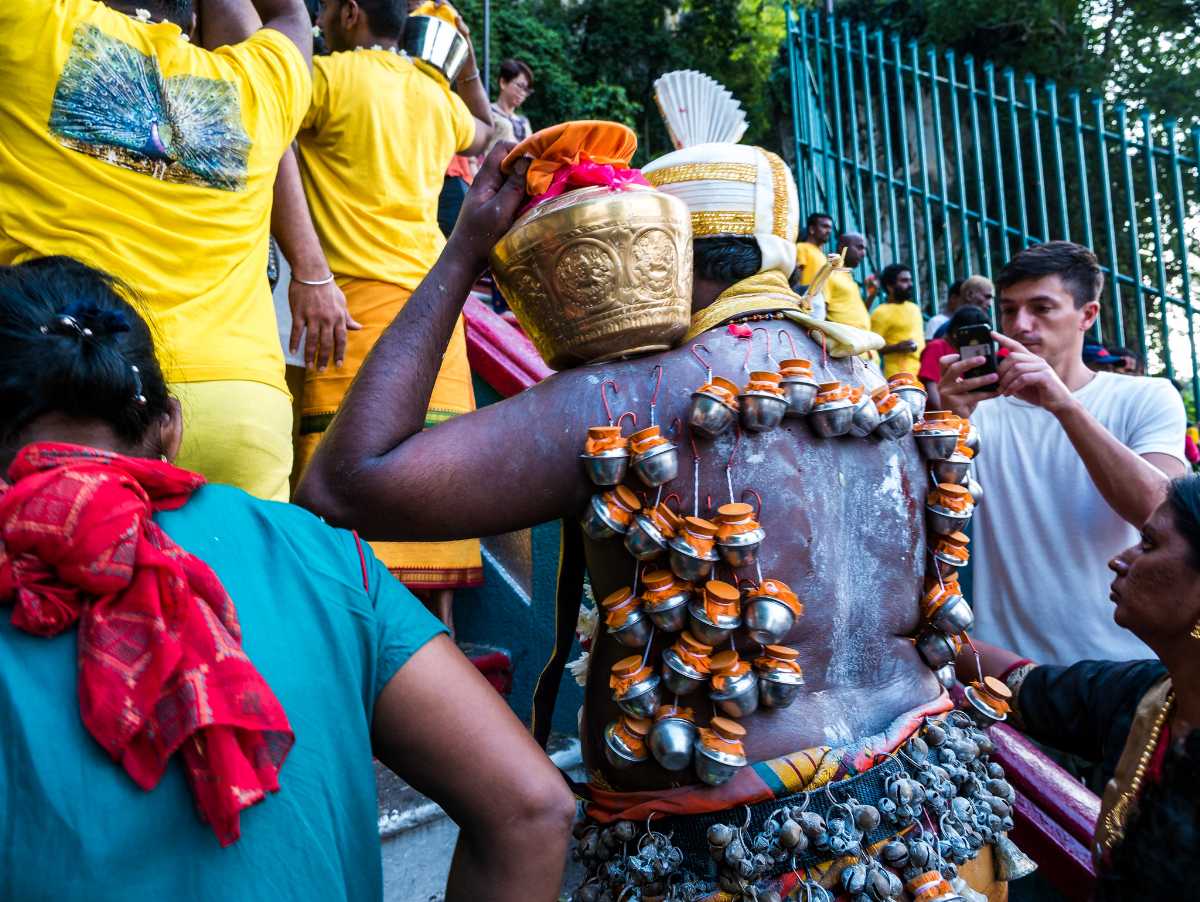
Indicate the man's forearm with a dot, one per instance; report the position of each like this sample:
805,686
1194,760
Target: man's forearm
375,418
1132,486
470,88
292,225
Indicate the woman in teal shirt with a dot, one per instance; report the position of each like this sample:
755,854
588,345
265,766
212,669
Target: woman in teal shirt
356,663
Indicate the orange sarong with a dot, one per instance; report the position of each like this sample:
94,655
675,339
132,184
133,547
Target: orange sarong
419,565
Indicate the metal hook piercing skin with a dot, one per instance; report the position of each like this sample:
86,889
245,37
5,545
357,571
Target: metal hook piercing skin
750,350
658,373
604,397
729,463
758,497
695,474
708,373
628,413
791,341
975,652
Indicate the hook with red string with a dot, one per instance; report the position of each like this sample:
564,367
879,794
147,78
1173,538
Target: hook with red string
678,501
694,351
604,398
750,350
975,652
820,336
631,415
784,333
658,374
695,473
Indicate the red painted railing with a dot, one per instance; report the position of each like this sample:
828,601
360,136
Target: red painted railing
500,352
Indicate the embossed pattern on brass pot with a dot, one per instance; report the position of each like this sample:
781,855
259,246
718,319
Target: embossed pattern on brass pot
596,274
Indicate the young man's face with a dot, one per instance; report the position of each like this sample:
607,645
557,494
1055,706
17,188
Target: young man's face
1041,314
329,20
819,231
901,289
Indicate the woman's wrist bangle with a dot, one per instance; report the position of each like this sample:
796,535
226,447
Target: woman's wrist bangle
474,77
324,281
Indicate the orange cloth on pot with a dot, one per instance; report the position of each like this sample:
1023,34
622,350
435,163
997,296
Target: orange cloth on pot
570,143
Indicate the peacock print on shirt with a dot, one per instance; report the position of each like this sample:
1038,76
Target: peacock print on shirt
113,103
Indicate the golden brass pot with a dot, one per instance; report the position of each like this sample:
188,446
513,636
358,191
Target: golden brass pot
596,274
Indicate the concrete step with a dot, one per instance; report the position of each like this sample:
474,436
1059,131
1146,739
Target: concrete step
418,837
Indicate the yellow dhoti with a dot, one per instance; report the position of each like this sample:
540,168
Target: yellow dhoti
419,565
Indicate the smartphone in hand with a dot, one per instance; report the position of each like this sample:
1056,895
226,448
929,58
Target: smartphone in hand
975,340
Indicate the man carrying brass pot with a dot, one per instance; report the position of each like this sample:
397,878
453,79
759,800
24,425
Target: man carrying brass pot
372,150
842,531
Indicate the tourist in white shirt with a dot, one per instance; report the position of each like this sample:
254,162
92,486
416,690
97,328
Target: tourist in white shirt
1073,462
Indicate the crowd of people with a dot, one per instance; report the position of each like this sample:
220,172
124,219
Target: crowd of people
238,659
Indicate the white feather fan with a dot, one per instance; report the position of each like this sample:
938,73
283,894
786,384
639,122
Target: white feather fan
698,109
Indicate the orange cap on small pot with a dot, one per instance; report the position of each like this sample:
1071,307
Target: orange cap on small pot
951,496
721,599
628,672
829,392
778,657
678,711
796,367
905,380
780,591
724,735
633,731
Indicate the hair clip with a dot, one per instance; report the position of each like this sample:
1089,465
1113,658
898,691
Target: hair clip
69,324
138,396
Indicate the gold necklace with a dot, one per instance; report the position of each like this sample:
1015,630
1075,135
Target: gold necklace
1116,821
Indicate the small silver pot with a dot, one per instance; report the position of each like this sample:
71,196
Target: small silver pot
761,410
688,565
619,754
671,742
642,698
972,439
896,424
866,417
944,521
767,619
710,415
954,617
634,632
974,487
953,469
597,523
831,419
705,630
438,43
679,676
607,468
670,615
799,393
937,445
946,675
740,698
643,540
740,549
936,649
657,466
950,564
914,397
777,687
714,767
985,715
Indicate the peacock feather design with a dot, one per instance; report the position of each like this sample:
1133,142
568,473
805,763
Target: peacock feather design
113,103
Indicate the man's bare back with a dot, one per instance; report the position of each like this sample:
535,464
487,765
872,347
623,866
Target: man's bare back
843,517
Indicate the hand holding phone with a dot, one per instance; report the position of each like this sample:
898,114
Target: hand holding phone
972,335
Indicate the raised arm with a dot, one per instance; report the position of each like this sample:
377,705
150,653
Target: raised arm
225,22
471,88
376,470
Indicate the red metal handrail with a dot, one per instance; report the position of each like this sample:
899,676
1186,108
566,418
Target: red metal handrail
499,352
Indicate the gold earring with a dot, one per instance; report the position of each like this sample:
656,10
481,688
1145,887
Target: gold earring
1196,630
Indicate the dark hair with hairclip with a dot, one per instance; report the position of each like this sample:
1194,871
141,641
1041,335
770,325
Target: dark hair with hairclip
728,260
72,344
1183,494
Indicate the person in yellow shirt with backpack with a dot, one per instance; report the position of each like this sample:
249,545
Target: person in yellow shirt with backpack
126,144
373,149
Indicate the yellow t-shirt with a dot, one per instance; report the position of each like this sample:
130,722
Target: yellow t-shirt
844,303
810,259
125,146
374,148
899,322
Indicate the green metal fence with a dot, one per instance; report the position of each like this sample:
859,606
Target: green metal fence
952,165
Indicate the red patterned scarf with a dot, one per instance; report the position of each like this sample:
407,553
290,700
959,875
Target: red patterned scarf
161,666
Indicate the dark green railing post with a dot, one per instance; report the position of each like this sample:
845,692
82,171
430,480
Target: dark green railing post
1060,175
1135,252
1085,192
985,243
943,188
1160,266
926,211
989,72
959,169
794,94
910,219
810,173
875,236
839,146
1180,208
1039,174
822,128
885,116
852,115
1114,267
1018,167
